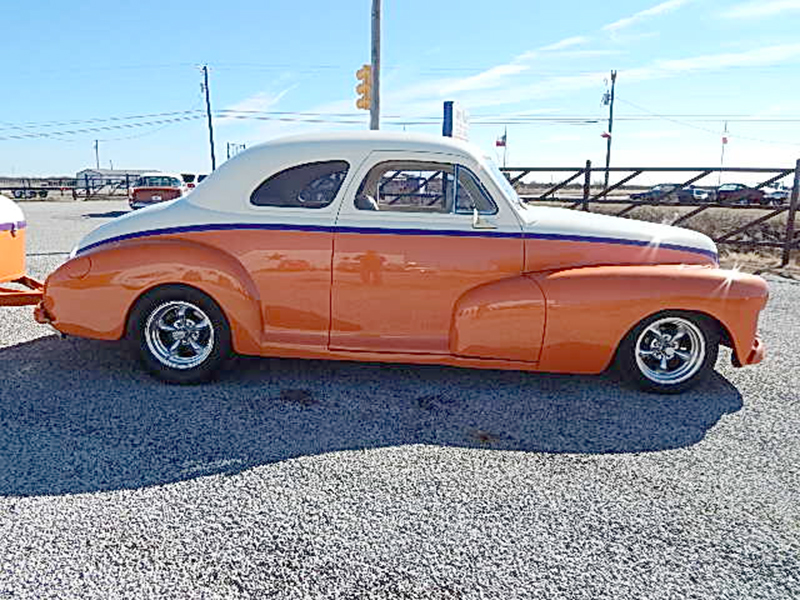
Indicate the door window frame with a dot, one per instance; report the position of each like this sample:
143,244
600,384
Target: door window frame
426,164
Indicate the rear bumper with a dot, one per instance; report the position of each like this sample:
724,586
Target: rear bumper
41,315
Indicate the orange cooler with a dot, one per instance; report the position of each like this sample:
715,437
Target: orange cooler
12,241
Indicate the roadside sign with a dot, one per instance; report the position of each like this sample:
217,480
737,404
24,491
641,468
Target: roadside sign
456,121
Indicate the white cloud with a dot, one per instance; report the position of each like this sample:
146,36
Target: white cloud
486,79
262,101
566,43
588,53
501,85
770,55
761,8
658,9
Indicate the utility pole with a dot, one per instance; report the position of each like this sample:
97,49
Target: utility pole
208,114
97,154
610,125
375,104
722,153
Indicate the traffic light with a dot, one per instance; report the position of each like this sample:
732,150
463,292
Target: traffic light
364,88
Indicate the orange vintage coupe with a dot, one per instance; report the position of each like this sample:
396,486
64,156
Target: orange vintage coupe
400,248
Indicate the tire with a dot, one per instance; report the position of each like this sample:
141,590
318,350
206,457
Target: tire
692,347
180,335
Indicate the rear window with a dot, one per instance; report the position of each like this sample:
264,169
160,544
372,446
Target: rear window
158,181
313,185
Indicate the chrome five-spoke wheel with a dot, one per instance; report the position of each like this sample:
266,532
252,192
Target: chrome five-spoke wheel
670,350
179,335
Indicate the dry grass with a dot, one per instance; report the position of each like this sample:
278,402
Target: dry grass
767,261
715,222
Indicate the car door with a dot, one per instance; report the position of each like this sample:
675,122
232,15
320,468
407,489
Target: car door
287,251
415,234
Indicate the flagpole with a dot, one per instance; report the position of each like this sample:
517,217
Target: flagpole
505,145
722,154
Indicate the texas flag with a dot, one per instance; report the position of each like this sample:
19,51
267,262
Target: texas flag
501,141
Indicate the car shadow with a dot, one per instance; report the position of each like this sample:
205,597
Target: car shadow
80,416
111,214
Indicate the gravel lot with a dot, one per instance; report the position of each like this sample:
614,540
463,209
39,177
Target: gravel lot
300,479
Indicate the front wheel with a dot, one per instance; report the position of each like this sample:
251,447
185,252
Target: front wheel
180,334
670,352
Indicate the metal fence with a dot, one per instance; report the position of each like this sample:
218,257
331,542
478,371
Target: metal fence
576,190
86,187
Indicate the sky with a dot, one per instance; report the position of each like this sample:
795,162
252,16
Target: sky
128,75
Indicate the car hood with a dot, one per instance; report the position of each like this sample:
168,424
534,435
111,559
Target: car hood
557,237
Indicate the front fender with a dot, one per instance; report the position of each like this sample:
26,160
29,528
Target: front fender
590,310
91,295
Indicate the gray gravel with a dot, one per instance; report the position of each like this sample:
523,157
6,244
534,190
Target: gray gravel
314,479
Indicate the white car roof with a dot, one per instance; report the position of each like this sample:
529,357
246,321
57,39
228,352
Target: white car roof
161,174
240,175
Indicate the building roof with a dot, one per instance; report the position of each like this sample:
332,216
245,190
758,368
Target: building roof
114,172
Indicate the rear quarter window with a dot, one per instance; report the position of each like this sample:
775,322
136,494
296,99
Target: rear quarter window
312,185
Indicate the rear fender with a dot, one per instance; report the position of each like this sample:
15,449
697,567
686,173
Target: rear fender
92,295
590,310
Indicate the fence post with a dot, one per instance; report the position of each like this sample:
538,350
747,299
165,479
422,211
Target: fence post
788,241
587,185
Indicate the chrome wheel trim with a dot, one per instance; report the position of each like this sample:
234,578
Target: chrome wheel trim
670,350
179,335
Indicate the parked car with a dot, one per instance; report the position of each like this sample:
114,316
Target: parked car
672,192
738,193
303,247
189,179
696,194
152,188
777,195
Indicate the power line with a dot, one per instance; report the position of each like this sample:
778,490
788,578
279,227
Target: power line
707,130
487,118
47,124
48,130
73,132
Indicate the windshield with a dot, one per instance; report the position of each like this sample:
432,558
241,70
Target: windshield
158,181
502,182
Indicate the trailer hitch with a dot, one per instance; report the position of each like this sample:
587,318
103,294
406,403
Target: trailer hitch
32,294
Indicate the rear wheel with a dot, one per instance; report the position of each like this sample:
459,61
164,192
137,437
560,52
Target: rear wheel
669,352
180,334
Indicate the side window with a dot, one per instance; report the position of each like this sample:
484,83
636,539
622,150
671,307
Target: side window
407,186
313,185
470,194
